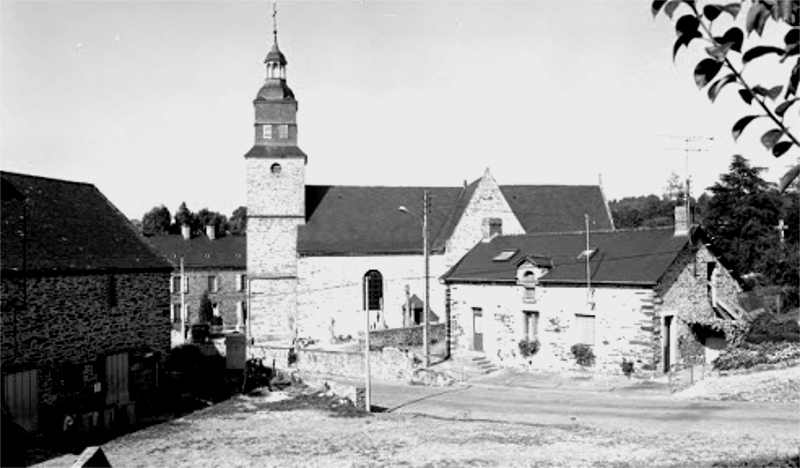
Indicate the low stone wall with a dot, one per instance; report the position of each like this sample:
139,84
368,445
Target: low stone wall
388,364
406,336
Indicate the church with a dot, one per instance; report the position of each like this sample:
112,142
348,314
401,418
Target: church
325,260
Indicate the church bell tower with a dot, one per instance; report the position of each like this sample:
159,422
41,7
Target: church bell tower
275,204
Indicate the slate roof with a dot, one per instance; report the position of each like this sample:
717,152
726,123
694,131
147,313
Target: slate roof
557,208
222,253
635,257
366,220
62,226
358,220
259,151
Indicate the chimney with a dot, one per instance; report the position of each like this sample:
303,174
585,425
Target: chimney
211,232
491,228
186,231
681,221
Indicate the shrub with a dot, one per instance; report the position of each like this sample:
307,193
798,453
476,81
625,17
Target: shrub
752,354
627,367
769,327
529,347
583,354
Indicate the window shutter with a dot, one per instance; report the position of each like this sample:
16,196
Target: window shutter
239,282
171,284
186,284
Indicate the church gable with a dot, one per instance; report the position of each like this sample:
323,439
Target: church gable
486,215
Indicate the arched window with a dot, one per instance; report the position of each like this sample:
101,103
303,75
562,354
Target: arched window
373,290
275,169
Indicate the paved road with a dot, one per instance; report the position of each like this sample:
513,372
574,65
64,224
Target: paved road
622,410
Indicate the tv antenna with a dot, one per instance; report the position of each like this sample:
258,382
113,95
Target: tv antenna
689,142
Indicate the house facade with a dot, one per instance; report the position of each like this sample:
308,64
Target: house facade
213,266
323,261
633,299
85,307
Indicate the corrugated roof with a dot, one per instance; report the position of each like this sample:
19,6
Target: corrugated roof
359,220
223,253
67,226
623,257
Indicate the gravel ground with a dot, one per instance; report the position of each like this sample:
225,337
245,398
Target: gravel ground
313,431
781,385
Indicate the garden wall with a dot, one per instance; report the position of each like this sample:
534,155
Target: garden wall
405,336
388,364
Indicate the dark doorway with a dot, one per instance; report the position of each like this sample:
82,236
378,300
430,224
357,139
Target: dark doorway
477,329
667,342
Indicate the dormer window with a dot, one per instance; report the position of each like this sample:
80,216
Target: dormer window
266,132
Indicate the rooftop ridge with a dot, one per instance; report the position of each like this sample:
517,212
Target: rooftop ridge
53,179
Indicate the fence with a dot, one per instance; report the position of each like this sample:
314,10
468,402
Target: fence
684,375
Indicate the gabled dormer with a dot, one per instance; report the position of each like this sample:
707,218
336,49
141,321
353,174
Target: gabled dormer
529,270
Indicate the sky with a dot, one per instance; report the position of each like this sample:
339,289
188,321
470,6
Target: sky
153,101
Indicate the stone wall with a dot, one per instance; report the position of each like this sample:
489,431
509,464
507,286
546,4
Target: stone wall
487,202
622,325
406,336
227,296
72,322
389,364
331,294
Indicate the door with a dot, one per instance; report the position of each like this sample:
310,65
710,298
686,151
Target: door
117,379
477,329
667,342
21,397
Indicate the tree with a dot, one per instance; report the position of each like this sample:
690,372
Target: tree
238,221
741,217
675,191
723,56
205,217
156,221
185,217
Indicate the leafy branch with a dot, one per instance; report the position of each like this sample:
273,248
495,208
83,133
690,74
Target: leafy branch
697,25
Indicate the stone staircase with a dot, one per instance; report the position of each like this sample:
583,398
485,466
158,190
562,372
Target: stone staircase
466,367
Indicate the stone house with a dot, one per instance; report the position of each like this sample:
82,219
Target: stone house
633,299
85,307
213,265
318,257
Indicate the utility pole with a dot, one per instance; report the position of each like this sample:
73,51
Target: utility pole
425,329
367,377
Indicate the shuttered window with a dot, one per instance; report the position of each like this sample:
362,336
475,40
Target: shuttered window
584,328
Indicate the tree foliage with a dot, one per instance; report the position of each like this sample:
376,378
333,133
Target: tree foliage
730,53
156,221
742,218
238,221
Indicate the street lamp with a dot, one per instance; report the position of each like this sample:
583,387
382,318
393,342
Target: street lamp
425,341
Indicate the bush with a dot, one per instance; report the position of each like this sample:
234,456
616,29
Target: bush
583,354
769,327
751,354
529,347
627,367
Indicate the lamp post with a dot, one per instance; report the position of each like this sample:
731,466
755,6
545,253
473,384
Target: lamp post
425,341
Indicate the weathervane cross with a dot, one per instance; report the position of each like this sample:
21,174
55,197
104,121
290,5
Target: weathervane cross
275,20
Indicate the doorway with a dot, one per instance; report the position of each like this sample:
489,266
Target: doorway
477,329
668,342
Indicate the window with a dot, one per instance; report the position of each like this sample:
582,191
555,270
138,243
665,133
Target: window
215,307
241,315
241,282
213,283
584,327
495,227
529,294
530,325
373,290
176,312
175,285
266,132
283,132
275,169
504,256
